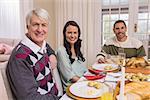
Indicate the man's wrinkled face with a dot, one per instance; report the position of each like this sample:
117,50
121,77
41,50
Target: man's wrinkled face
120,30
38,30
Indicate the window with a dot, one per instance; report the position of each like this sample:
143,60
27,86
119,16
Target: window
136,14
9,18
143,20
12,17
113,10
143,24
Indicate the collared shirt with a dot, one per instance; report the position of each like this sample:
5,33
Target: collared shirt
34,47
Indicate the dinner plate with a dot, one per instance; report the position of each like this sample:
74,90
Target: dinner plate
81,89
103,67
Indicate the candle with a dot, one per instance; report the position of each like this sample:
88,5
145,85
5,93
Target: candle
121,97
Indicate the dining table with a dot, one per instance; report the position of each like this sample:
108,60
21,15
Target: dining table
111,79
118,77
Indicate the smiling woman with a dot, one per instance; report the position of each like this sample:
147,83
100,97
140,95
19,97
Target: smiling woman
70,57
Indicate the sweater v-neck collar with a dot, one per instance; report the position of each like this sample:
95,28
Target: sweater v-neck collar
34,47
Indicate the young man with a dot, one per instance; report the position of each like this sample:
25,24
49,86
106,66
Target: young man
30,66
131,46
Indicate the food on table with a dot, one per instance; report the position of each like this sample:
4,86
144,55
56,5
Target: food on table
135,90
148,67
91,83
137,65
91,92
132,96
95,84
145,71
136,62
108,68
138,89
137,77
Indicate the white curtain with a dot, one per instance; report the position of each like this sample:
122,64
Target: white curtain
12,15
87,14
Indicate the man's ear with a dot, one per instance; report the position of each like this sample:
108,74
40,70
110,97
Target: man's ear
113,29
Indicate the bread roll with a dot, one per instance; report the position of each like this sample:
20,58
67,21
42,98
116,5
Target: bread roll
136,62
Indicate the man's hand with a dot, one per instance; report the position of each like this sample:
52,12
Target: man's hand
75,79
101,60
53,61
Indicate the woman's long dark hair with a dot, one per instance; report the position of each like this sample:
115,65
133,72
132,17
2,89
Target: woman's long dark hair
77,45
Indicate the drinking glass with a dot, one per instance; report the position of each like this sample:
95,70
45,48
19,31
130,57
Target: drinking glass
107,95
122,56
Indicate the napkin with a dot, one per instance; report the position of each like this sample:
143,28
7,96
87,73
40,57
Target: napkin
114,77
95,77
94,74
94,71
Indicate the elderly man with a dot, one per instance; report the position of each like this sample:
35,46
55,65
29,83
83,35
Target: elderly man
30,66
130,46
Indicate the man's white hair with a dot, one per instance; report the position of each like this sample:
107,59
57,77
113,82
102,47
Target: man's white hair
42,13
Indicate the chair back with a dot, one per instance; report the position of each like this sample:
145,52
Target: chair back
5,91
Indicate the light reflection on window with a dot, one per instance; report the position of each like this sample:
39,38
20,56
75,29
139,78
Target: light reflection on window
114,2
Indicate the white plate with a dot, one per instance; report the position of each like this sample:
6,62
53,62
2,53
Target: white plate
81,89
102,66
